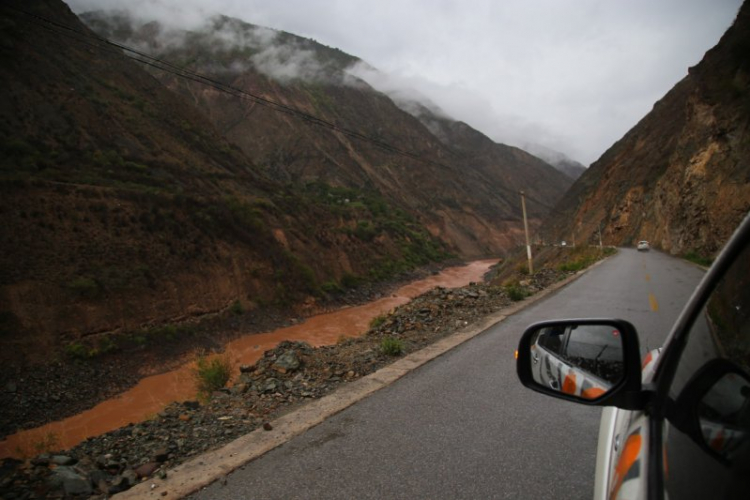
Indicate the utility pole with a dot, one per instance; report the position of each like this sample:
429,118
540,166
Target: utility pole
526,230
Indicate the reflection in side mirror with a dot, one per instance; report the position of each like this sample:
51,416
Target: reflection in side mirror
584,360
714,409
724,415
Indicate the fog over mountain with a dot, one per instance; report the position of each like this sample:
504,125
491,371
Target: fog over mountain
570,76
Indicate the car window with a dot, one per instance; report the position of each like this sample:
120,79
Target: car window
594,342
596,349
707,432
552,339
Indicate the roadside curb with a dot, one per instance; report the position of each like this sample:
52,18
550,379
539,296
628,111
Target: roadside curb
203,470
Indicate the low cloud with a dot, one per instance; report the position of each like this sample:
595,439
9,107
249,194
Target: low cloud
573,76
289,62
414,94
403,91
254,47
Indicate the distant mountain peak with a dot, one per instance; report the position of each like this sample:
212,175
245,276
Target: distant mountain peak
560,161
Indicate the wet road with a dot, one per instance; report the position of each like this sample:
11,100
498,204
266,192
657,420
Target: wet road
462,426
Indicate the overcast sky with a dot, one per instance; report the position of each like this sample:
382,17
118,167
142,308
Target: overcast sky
572,75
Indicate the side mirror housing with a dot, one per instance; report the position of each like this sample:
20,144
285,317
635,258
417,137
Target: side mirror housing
589,361
714,410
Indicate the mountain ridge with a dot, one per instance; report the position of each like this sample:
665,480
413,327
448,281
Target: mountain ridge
291,152
123,207
679,177
133,199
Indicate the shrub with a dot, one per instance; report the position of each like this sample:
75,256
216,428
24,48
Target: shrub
139,339
515,292
570,267
307,277
160,333
331,287
77,350
236,308
695,258
105,345
377,321
343,340
350,280
85,287
365,231
211,374
391,346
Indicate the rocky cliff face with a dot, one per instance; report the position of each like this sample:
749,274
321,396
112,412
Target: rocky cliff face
679,178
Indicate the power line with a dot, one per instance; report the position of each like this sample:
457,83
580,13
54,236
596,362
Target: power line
182,72
201,78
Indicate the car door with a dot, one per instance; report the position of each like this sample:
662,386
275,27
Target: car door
704,395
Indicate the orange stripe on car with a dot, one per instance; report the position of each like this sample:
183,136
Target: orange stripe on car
569,384
647,360
629,457
592,392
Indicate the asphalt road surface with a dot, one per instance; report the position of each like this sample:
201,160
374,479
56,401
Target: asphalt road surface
462,426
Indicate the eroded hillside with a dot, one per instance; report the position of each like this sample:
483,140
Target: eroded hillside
121,205
681,177
463,187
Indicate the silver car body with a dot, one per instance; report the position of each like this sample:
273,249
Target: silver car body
623,436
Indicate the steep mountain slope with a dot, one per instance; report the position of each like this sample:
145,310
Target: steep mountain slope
680,177
464,192
122,206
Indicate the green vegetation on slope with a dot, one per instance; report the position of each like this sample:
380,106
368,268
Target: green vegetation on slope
366,216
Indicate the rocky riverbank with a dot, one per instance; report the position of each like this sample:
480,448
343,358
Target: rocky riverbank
283,379
33,395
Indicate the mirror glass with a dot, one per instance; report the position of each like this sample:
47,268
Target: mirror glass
724,415
583,360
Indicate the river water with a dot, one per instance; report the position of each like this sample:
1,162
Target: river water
153,393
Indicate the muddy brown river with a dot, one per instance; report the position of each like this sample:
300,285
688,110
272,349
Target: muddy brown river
153,393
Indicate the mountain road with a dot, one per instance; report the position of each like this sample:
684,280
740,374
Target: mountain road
462,425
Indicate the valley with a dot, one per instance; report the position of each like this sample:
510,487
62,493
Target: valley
240,192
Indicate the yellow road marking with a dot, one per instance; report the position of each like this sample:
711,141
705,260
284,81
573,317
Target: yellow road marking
653,302
648,277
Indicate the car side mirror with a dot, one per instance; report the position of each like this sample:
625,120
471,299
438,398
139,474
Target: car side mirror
590,361
714,409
